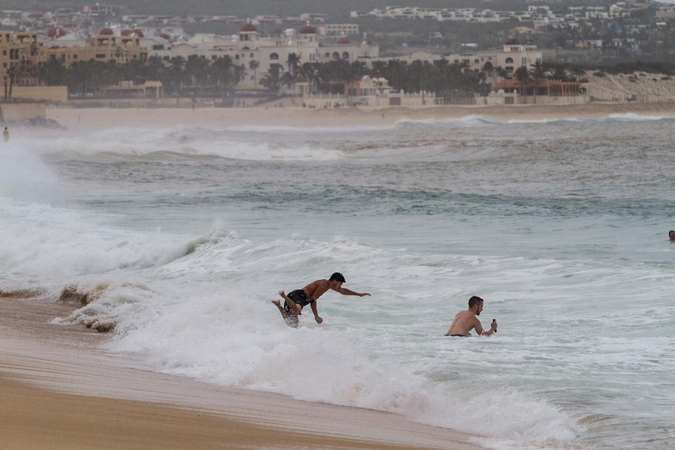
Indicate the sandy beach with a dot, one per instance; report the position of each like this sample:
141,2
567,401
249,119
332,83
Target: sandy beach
58,390
80,119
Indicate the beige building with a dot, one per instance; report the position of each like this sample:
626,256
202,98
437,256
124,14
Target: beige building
265,51
21,53
513,55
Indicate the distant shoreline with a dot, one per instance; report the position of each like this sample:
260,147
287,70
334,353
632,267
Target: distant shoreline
89,119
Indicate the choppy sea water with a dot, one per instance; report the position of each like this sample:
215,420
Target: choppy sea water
182,236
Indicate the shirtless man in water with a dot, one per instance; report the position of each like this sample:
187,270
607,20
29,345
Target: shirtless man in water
298,299
465,321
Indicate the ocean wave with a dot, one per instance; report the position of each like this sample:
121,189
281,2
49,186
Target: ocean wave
25,178
309,130
36,236
208,316
131,142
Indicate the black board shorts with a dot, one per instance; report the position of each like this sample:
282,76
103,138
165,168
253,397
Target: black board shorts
299,297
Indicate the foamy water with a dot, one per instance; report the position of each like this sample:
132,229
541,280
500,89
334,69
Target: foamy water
181,237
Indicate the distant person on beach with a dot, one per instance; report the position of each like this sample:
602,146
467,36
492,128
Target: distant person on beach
5,134
298,299
467,320
671,235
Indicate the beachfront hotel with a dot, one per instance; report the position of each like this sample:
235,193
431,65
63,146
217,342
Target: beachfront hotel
265,51
22,52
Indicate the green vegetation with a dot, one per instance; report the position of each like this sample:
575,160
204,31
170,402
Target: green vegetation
200,77
192,77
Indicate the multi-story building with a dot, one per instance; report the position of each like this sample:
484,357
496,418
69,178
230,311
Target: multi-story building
513,55
21,52
257,54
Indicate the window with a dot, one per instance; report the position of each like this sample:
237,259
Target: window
74,56
100,55
214,57
509,61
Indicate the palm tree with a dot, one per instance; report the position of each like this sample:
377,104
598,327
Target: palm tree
311,72
293,64
175,72
538,73
222,74
51,73
11,74
271,80
253,65
523,75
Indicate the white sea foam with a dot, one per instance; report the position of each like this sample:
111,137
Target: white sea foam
24,177
232,336
181,141
278,129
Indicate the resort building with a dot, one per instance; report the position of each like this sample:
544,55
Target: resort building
21,53
513,55
257,54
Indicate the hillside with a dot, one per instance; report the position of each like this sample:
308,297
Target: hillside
639,86
252,8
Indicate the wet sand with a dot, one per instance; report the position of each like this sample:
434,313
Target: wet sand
81,119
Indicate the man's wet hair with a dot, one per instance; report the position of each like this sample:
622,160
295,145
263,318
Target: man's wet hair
671,232
474,301
337,276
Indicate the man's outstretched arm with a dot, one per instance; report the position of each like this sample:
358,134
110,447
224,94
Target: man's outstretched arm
345,291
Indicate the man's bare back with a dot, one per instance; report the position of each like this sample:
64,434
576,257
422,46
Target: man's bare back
465,321
317,288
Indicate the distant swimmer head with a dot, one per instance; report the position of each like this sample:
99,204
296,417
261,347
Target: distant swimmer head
671,235
337,276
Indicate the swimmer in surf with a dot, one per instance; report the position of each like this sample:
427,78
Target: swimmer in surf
298,299
467,320
671,235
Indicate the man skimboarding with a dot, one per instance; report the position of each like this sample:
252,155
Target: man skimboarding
298,299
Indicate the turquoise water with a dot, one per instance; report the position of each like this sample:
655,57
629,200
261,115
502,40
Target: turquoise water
183,236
